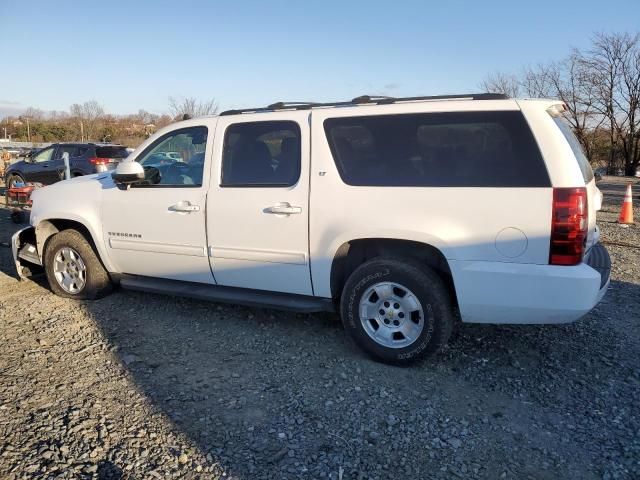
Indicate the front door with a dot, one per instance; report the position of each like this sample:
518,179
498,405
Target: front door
257,210
41,167
157,228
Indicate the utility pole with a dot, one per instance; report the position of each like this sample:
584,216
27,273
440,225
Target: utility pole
28,131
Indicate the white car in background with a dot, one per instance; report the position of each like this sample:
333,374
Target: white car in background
397,213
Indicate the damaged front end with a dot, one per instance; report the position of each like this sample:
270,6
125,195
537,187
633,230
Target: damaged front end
25,253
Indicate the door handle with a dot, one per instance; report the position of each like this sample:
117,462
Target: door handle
283,209
184,207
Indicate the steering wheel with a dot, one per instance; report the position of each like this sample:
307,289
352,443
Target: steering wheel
174,175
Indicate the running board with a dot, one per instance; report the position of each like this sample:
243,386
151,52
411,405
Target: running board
218,293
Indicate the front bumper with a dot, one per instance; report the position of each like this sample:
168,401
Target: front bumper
25,253
495,292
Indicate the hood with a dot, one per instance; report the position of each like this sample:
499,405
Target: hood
76,199
85,178
72,188
16,166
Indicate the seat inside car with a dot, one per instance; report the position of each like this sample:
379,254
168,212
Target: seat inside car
251,159
288,161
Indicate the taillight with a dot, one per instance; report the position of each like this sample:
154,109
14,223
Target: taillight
569,225
99,160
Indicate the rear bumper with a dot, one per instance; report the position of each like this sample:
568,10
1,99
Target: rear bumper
494,292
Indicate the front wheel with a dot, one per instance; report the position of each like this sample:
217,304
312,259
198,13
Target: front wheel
73,268
396,311
13,180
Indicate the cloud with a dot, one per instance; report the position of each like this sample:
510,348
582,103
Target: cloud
392,86
9,108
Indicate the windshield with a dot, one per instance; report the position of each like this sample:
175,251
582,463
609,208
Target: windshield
112,152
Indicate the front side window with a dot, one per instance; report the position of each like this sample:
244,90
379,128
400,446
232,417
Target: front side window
452,149
261,154
175,159
44,155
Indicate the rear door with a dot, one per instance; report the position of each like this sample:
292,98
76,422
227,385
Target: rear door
57,165
258,203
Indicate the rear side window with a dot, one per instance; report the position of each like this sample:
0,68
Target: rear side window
112,151
574,143
461,149
72,150
261,154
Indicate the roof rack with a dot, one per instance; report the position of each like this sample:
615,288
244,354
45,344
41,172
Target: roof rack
363,100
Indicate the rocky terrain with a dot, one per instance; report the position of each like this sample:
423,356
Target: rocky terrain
139,386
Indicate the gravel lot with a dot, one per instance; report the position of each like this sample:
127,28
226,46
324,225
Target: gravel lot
145,386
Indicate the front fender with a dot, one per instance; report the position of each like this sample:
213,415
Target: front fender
45,227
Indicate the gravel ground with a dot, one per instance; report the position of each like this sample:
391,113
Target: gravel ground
145,386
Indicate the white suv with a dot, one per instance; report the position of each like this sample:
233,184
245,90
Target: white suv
398,213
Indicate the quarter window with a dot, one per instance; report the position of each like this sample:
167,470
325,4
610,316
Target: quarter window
261,154
464,149
576,148
176,159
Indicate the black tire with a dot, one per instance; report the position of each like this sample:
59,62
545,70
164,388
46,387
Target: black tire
19,217
13,178
425,285
97,282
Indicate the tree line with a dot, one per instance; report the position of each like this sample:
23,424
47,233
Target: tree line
600,86
89,122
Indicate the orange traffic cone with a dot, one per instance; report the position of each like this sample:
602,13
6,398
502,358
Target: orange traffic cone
626,213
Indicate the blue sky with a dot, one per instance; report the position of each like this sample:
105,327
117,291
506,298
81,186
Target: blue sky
134,54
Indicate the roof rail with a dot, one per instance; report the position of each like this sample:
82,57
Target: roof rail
296,105
363,100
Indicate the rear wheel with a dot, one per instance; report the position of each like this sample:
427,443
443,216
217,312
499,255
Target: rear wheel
396,311
73,268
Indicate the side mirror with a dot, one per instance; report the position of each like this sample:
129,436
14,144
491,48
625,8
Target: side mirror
128,172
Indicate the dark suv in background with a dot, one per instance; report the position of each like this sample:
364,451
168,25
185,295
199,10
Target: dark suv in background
47,166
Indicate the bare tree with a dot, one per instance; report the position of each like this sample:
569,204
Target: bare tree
29,115
181,106
33,113
88,116
498,82
569,81
55,115
535,81
629,105
614,71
